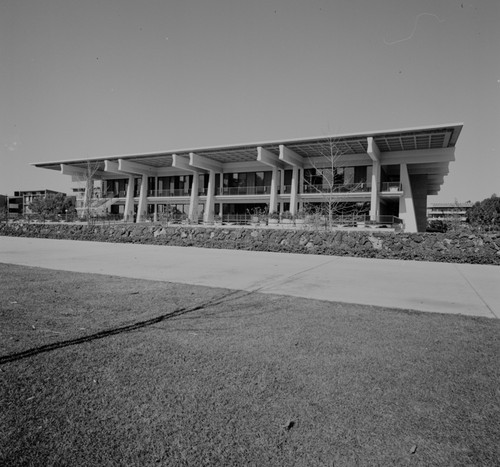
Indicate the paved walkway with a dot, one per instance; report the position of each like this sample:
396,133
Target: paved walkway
435,287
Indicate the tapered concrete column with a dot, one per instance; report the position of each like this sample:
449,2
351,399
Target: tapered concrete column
375,192
267,157
374,152
294,190
143,200
128,215
88,195
274,191
282,190
296,161
209,204
193,201
406,206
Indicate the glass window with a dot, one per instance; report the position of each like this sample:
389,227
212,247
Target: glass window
251,179
360,174
151,184
242,180
348,175
338,178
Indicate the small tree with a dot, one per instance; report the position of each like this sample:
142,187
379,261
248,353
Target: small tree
455,221
52,206
326,181
87,180
485,214
4,212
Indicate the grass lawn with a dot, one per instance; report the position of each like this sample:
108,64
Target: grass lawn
99,370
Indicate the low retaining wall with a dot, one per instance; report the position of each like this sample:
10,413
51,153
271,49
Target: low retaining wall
448,247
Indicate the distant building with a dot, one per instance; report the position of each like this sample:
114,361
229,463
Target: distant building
15,206
448,211
20,202
391,172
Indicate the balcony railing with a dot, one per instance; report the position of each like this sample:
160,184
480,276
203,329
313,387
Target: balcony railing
244,190
157,193
167,193
391,186
340,188
266,190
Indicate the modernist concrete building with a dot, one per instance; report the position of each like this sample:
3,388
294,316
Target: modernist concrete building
390,172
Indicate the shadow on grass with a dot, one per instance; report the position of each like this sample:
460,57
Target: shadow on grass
119,330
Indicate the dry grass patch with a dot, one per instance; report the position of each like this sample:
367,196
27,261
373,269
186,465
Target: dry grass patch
201,376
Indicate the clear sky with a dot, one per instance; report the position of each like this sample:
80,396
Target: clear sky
90,78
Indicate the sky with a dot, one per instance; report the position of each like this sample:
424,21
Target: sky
96,78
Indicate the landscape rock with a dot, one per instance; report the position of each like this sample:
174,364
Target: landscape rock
457,247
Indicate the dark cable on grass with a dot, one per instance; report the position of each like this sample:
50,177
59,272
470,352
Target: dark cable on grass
119,330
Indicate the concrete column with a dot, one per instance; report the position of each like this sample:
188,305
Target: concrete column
294,190
406,206
128,215
274,191
87,197
193,201
210,202
419,191
375,192
143,200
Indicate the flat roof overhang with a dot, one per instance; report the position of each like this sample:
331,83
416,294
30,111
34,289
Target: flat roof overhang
425,149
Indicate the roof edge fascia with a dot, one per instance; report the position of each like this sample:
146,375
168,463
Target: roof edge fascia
456,126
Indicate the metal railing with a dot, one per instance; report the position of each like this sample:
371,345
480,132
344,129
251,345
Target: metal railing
266,190
237,219
338,188
155,193
170,192
391,186
244,190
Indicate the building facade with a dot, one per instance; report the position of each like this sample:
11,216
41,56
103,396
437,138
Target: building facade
19,204
388,173
448,212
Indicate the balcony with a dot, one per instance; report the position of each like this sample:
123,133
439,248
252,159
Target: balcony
340,188
169,193
391,187
244,190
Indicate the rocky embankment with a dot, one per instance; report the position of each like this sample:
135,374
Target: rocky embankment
457,247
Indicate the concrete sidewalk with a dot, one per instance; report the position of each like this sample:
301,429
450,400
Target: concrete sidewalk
434,287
